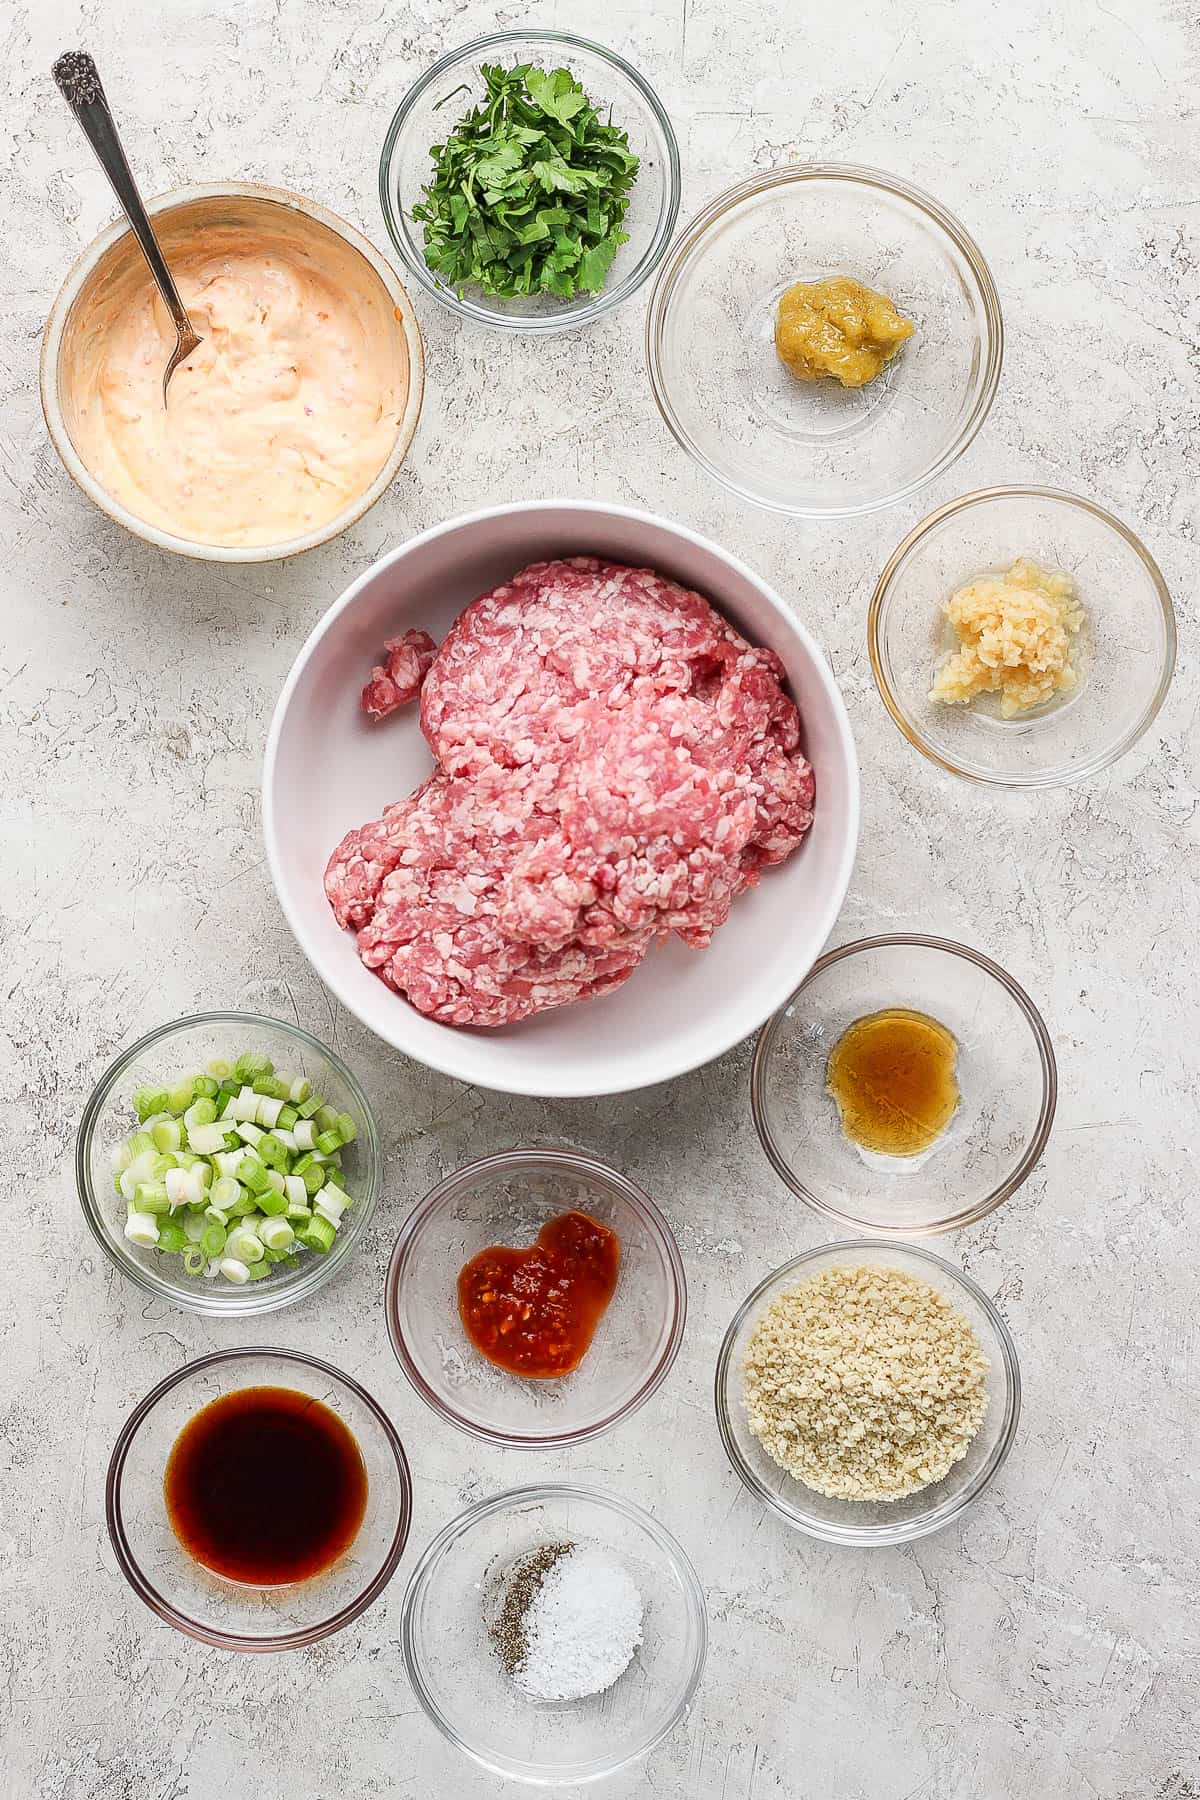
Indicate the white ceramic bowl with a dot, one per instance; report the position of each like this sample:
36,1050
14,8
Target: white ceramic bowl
177,215
328,769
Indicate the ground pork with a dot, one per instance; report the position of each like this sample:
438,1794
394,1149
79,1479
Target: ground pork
615,763
397,680
433,903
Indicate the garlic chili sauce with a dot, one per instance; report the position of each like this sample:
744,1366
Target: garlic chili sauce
535,1311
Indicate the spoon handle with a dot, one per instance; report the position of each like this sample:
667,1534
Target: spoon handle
79,83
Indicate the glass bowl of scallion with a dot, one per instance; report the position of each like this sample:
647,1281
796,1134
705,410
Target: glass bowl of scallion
530,181
228,1163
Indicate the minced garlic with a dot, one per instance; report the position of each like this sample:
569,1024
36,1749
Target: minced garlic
865,1383
1015,636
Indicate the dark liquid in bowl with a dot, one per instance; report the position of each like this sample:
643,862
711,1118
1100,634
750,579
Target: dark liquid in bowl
266,1486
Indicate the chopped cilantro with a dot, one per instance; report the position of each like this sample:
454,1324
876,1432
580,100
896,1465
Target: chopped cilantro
529,191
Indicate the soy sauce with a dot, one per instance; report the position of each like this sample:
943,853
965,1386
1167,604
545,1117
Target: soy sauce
265,1486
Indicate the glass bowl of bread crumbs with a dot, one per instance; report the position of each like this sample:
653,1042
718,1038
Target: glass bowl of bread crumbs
1022,637
867,1392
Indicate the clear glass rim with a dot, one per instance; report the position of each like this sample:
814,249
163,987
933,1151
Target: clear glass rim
784,175
881,663
905,1531
511,1498
409,252
255,1297
1026,1162
570,1162
144,1588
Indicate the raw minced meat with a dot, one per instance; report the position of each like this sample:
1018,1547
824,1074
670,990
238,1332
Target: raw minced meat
433,894
519,664
615,763
397,681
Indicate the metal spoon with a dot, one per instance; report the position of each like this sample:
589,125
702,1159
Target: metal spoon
79,84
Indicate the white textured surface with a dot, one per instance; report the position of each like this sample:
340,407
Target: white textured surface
1048,1646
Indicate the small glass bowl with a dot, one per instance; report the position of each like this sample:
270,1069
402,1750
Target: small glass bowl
611,84
227,1613
1125,652
459,1680
1007,1078
506,1199
816,449
185,1047
864,1524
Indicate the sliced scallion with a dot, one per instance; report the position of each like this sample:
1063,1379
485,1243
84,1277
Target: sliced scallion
316,1234
179,1098
200,1112
214,1240
142,1228
207,1139
234,1170
275,1234
250,1067
168,1135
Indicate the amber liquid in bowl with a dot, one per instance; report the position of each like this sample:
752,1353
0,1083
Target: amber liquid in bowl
894,1077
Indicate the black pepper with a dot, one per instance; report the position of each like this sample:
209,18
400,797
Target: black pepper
520,1585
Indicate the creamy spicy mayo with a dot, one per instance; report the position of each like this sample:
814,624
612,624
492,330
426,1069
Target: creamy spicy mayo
282,417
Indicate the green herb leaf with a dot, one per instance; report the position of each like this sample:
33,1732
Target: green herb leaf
529,190
558,94
595,263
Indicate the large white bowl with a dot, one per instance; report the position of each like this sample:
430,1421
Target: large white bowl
328,768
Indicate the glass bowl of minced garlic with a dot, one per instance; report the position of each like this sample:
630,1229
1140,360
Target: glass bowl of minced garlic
1023,637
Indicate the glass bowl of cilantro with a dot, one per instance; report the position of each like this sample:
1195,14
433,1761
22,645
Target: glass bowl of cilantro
530,181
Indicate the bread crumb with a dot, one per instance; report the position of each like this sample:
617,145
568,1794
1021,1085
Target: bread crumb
1015,634
865,1383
